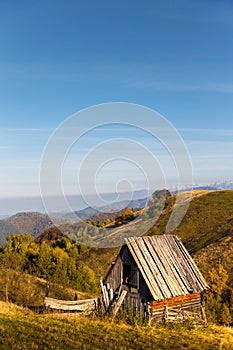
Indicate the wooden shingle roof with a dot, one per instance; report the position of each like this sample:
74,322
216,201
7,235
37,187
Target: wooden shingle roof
166,266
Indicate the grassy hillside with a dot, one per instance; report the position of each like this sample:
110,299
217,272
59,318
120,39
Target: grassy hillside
206,231
215,253
22,329
99,260
28,290
209,218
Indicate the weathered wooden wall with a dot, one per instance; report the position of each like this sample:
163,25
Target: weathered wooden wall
189,303
137,290
134,304
114,276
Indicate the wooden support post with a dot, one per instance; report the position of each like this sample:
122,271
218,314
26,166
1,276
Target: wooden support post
204,315
110,294
105,295
118,304
165,313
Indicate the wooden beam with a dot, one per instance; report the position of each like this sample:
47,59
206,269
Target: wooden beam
118,304
104,294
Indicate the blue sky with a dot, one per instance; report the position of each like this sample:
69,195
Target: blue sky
60,56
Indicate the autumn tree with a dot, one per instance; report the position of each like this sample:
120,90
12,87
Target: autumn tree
218,296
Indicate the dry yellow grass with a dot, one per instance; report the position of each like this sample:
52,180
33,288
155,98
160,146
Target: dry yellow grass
22,329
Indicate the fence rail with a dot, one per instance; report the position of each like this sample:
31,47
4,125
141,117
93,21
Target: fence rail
85,306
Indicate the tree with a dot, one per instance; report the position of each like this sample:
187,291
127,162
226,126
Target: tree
218,296
86,280
218,280
145,215
225,315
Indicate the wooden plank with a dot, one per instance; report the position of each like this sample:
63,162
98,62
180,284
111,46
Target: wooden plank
104,294
178,284
81,308
162,251
176,257
197,274
143,268
154,270
165,313
110,293
140,266
118,304
60,305
161,267
159,262
68,302
183,266
183,299
158,269
168,262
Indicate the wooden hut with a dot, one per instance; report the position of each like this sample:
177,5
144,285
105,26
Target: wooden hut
157,277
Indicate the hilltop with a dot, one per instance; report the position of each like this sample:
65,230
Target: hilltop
206,231
30,223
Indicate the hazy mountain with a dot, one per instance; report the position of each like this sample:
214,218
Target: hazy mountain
6,229
35,223
32,223
88,212
224,185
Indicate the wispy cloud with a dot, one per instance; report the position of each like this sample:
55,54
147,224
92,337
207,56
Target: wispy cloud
168,75
217,132
207,157
26,129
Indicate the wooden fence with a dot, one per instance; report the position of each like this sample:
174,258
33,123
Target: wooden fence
85,306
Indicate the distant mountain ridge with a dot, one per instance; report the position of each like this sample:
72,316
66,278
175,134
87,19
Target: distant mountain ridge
35,223
88,212
221,185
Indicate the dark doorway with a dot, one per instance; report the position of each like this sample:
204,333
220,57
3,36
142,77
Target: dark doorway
126,273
